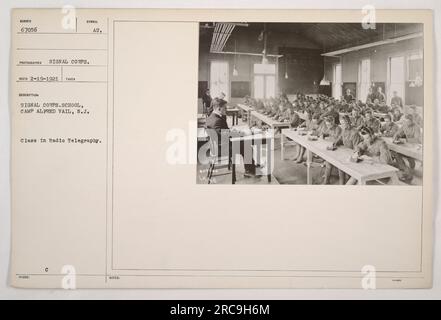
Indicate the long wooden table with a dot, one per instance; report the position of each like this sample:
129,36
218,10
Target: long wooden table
378,115
301,115
255,141
269,121
412,150
247,110
362,171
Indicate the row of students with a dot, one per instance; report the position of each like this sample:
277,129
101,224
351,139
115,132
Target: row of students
282,109
358,129
363,140
281,106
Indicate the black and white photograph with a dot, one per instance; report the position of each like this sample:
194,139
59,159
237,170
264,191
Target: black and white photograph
310,103
144,146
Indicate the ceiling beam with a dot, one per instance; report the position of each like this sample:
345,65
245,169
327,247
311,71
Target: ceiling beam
249,54
372,44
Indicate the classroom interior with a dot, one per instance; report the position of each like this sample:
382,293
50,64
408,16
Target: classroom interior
292,94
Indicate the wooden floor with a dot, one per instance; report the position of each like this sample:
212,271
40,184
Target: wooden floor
285,171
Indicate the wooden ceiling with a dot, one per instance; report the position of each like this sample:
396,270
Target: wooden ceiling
327,36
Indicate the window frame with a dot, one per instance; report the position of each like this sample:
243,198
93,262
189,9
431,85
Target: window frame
389,91
265,75
359,81
334,82
228,93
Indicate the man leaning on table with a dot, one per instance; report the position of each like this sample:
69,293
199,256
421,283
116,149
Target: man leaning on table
409,132
217,122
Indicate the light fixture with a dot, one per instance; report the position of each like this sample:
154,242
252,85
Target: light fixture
264,58
418,81
286,67
324,81
235,72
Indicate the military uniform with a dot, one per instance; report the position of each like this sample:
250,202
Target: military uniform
216,126
357,122
349,138
376,149
334,134
332,113
380,96
348,97
397,118
417,119
389,129
397,101
373,123
412,133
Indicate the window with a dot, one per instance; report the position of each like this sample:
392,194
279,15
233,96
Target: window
259,86
336,83
264,81
396,77
364,79
415,67
414,93
219,78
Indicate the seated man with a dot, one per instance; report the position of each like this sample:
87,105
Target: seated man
371,122
376,104
411,132
281,112
350,138
373,147
330,111
396,100
284,100
332,132
274,110
293,118
217,122
267,109
357,119
348,97
417,119
380,95
383,107
388,128
311,126
397,116
259,105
